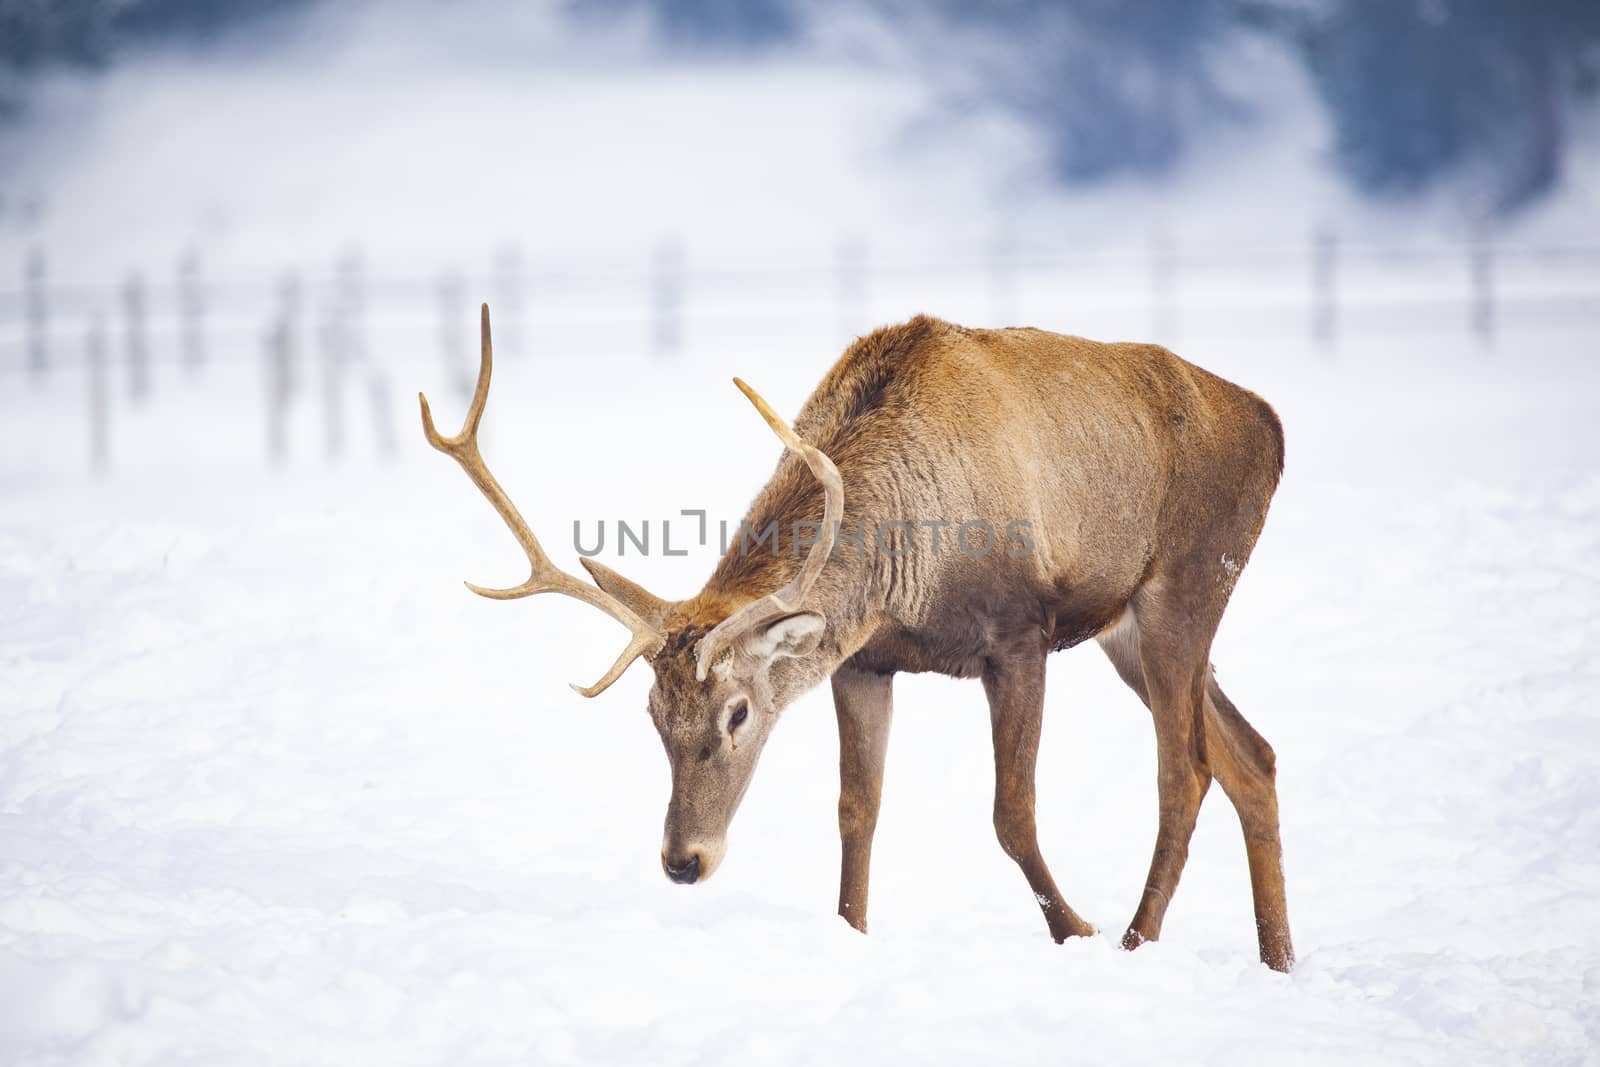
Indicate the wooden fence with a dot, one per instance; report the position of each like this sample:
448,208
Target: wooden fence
314,333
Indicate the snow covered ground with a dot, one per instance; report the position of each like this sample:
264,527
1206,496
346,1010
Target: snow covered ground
275,789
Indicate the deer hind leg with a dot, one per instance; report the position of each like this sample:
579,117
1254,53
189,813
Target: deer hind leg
864,705
1014,683
1174,679
1243,764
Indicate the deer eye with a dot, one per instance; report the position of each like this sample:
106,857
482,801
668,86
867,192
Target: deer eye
740,714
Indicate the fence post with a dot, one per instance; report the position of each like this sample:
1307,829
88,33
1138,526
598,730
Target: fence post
1325,287
668,289
37,313
289,314
1481,251
99,397
135,345
275,349
509,293
1163,287
850,264
191,311
331,338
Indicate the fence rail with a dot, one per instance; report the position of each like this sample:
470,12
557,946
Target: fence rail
330,330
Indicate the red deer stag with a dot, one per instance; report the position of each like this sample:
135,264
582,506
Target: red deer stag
1132,486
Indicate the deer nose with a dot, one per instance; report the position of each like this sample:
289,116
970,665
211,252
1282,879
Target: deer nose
685,873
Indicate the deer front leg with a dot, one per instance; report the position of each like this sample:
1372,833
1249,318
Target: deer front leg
1015,686
864,704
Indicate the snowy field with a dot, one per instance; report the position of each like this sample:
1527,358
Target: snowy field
275,789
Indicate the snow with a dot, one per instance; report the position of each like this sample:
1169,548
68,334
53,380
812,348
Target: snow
274,788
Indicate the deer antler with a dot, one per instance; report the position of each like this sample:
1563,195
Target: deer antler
545,577
790,598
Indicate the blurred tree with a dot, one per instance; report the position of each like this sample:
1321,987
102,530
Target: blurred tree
1422,90
1418,92
36,34
1113,87
193,20
705,25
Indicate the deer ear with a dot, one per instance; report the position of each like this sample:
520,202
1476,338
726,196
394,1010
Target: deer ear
636,598
791,635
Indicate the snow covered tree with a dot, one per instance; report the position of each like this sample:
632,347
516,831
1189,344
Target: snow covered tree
1423,90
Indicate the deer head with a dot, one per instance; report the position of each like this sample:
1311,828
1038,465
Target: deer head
724,669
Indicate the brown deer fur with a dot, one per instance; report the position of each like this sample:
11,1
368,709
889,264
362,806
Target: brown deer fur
1144,482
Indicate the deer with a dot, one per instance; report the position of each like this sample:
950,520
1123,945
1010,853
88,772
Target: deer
1133,485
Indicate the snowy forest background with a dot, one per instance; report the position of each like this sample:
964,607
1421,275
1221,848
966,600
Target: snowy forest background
274,788
1417,95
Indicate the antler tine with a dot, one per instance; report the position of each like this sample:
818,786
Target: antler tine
468,437
791,597
544,576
